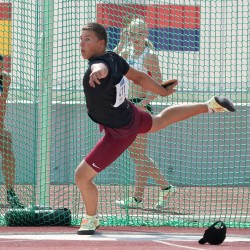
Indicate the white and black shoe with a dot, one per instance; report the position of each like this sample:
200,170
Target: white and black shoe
220,104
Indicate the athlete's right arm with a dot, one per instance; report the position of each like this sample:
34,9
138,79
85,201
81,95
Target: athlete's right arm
98,71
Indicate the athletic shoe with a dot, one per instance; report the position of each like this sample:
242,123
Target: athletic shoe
88,225
163,196
129,203
13,200
220,104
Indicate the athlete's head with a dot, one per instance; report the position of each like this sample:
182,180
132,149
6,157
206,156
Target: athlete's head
138,32
93,40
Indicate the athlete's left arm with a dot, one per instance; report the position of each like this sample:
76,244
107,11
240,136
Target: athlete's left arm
98,71
148,83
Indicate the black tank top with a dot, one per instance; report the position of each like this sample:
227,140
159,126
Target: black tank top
101,99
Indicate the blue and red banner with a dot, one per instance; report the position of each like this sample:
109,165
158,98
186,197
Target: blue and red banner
171,27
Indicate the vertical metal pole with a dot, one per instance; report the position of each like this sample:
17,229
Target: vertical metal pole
248,53
44,101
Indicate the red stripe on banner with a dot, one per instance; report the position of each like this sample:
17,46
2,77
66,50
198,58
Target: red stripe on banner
116,15
156,16
5,10
174,16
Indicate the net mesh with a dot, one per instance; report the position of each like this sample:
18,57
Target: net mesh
204,44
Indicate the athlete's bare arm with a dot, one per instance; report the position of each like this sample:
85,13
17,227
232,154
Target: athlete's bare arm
145,81
99,71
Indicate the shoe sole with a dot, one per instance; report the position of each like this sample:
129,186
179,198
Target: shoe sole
86,232
225,103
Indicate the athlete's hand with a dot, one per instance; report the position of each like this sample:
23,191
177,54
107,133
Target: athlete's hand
169,86
99,71
94,78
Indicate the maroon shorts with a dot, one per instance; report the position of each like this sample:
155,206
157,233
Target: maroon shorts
117,140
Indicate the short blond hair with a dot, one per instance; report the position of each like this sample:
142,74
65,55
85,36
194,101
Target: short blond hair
141,25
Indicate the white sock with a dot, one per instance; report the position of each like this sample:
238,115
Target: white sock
210,110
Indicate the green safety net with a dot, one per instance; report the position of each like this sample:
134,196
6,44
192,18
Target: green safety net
204,44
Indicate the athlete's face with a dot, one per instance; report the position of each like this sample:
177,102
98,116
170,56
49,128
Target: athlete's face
90,44
137,35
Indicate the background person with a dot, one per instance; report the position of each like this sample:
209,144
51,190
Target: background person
8,159
138,51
